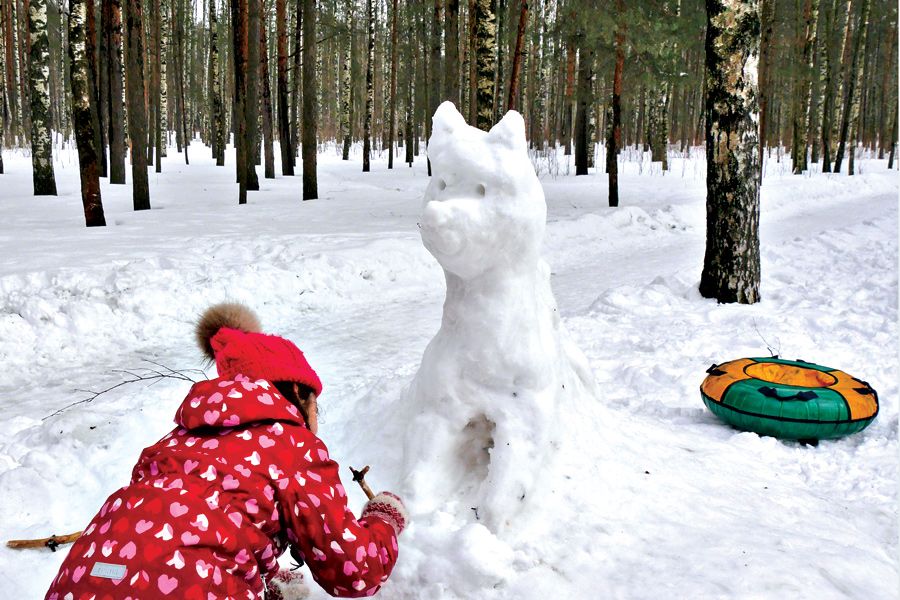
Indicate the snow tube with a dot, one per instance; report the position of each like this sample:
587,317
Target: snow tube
789,399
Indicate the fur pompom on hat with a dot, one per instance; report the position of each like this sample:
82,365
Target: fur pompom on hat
230,334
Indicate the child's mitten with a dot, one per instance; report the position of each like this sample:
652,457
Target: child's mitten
286,585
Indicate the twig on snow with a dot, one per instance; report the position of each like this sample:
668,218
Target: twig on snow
149,374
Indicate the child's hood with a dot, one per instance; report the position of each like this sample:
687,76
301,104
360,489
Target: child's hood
224,403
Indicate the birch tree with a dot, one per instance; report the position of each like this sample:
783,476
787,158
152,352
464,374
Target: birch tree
41,142
731,269
484,50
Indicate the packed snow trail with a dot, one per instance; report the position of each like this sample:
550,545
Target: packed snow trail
665,501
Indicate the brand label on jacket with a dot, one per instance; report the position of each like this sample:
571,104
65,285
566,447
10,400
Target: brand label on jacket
108,571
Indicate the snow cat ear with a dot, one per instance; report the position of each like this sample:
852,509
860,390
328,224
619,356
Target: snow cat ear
509,131
447,120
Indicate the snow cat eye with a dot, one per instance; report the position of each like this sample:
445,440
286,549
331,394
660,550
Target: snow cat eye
442,185
481,190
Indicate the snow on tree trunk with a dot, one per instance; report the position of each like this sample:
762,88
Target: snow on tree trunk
81,115
500,376
731,264
41,142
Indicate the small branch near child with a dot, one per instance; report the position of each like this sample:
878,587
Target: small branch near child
154,374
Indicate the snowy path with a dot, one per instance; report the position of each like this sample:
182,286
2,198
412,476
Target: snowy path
674,504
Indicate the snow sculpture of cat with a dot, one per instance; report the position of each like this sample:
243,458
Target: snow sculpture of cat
500,374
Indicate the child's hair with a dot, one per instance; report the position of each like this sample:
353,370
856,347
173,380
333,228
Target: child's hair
286,389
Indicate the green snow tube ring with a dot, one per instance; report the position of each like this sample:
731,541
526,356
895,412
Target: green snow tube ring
789,399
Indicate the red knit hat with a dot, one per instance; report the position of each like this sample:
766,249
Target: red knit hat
229,334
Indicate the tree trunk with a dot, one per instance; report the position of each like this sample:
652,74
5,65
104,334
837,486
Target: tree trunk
615,131
485,34
94,82
296,96
10,48
156,137
269,165
451,51
766,23
731,270
22,35
251,103
394,59
81,114
218,116
347,83
567,102
112,26
370,91
830,69
163,77
284,124
893,137
41,134
310,108
239,54
585,94
137,115
806,30
515,73
850,109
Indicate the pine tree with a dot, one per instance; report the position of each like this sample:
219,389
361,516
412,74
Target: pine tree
310,108
137,116
731,266
615,136
41,143
81,114
268,144
112,28
284,124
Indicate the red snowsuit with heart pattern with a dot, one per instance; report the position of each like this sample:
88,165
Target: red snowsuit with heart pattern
213,504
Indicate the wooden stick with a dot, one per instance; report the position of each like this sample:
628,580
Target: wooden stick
360,478
52,542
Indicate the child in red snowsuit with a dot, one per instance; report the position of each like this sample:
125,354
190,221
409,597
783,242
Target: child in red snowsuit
242,477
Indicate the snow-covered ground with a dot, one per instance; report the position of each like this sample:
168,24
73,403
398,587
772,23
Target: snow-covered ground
651,496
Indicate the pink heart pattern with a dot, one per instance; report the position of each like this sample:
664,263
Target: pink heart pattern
211,505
